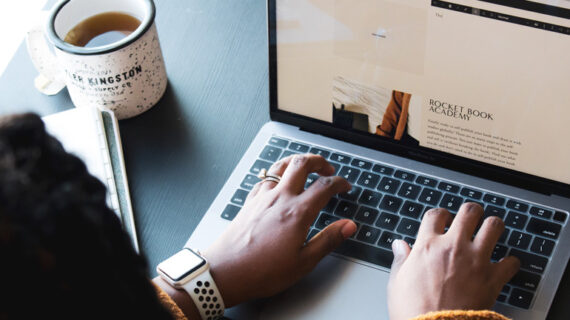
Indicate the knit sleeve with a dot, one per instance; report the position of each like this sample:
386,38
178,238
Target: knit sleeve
169,304
461,315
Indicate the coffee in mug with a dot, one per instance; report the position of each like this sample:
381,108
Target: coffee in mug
102,29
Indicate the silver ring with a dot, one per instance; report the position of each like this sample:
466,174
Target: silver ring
268,177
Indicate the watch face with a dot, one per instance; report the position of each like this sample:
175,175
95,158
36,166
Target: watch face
181,264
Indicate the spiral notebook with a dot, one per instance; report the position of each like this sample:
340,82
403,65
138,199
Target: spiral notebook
93,136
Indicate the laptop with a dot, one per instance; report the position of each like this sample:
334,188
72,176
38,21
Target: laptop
418,104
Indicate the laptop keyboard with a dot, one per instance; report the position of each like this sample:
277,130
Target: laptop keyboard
388,203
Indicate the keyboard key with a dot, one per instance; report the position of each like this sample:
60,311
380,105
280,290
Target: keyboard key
312,178
346,209
400,174
383,170
370,198
560,216
493,199
425,181
331,205
361,251
390,203
287,153
351,195
499,252
540,212
361,164
473,194
409,191
411,209
504,235
515,205
519,240
270,153
281,143
368,180
323,153
387,221
408,227
336,167
313,232
249,181
230,212
544,228
430,196
530,261
448,187
410,241
506,289
502,298
368,234
239,197
542,246
387,238
298,147
520,298
451,202
515,220
325,220
526,280
491,211
366,215
340,158
350,174
258,165
389,185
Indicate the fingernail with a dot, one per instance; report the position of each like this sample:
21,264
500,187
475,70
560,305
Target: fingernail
348,229
397,247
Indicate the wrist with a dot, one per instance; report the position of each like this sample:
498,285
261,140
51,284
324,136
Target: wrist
180,297
226,282
188,270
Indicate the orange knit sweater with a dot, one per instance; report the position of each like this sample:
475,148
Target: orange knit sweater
169,304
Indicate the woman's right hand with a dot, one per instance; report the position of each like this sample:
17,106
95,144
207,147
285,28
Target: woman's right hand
449,270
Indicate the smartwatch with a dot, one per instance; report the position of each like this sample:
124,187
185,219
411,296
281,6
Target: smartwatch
188,270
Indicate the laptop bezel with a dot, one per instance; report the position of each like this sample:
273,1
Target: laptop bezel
422,154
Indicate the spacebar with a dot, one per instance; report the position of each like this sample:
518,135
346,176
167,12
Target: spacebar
365,252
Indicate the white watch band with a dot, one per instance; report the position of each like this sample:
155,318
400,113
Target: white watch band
206,296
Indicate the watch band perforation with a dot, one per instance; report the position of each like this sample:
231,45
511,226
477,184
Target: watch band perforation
206,296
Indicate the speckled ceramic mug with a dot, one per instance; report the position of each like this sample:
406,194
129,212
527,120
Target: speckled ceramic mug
127,76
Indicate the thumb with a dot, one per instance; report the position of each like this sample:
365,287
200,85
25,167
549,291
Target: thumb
327,240
401,251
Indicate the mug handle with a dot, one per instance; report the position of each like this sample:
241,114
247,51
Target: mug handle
51,78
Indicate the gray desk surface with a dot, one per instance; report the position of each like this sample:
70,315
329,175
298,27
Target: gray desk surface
179,153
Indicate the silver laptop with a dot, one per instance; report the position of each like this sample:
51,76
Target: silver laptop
419,104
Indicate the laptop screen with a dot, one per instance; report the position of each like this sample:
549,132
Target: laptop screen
481,80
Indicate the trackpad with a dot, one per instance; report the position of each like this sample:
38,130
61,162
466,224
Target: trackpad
336,289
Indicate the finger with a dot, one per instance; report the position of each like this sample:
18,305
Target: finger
433,223
488,235
505,269
299,168
276,169
254,191
401,251
466,221
319,194
327,240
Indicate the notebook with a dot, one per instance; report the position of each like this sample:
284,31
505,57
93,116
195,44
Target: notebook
93,136
418,104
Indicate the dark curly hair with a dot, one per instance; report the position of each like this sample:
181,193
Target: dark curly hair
63,251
